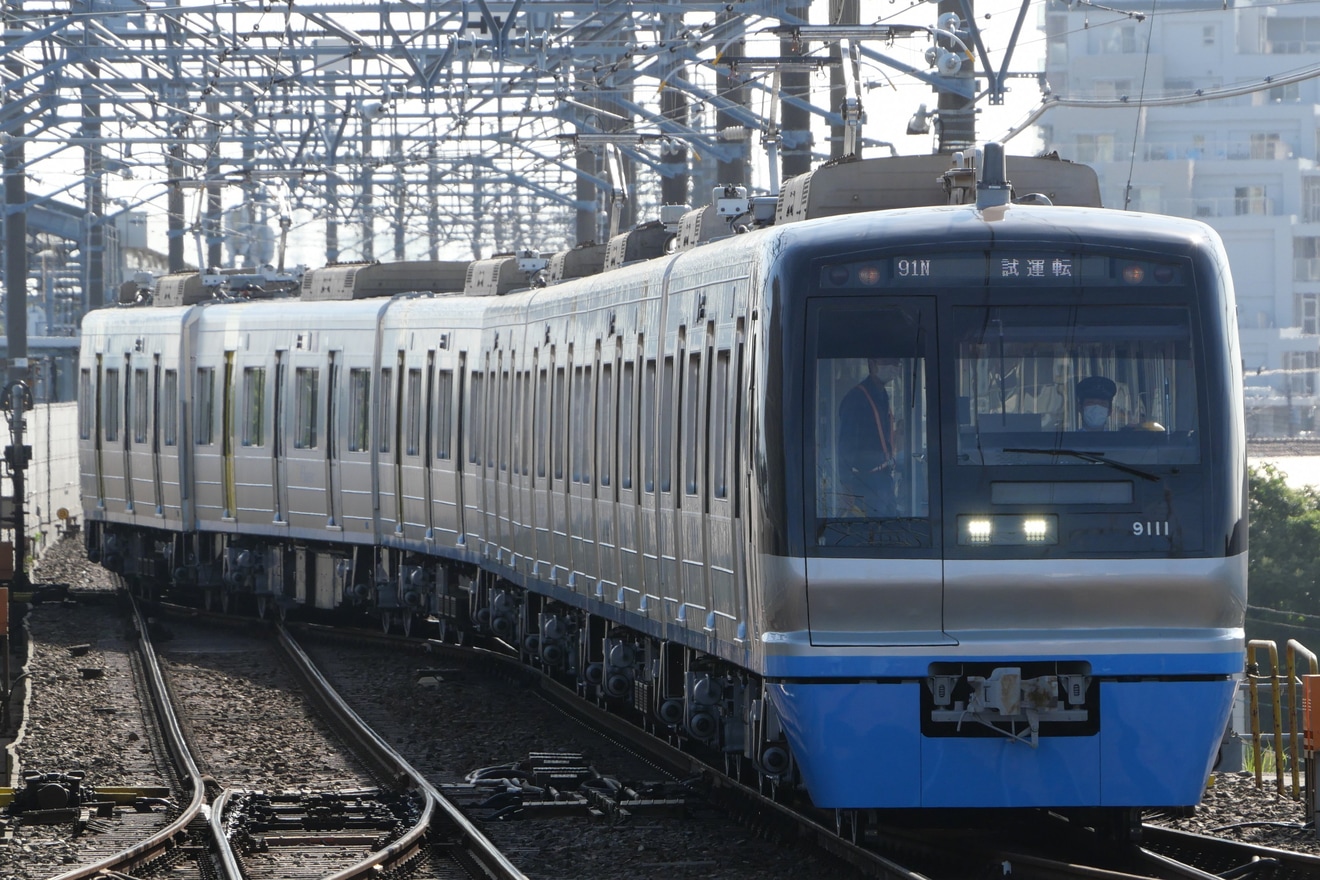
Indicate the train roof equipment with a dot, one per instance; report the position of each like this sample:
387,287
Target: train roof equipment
351,281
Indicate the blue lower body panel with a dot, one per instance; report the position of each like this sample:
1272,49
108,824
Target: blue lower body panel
860,745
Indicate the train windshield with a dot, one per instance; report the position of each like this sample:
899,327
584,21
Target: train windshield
1075,385
873,390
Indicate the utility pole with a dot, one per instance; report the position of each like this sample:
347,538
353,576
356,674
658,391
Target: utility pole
16,275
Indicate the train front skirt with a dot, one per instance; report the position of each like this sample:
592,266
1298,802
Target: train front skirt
861,745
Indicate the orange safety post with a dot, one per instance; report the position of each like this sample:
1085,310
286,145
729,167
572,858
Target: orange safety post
1296,649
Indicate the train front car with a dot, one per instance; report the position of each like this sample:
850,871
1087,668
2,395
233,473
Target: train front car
1012,532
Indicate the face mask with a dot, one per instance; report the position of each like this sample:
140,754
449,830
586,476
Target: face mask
1095,416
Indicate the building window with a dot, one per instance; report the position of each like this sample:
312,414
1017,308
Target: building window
1302,367
1308,312
1209,33
1306,259
1268,146
1095,148
1249,200
1295,35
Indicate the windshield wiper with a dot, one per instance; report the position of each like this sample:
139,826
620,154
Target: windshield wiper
1094,457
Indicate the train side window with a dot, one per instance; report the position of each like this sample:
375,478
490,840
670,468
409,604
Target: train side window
524,455
204,406
692,423
359,410
111,405
444,414
254,406
506,413
718,434
648,426
605,424
542,418
306,387
414,410
626,392
170,410
581,425
141,401
668,426
557,438
86,410
478,424
385,424
516,421
492,432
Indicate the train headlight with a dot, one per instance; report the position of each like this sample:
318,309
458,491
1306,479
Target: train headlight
979,531
1008,530
1035,530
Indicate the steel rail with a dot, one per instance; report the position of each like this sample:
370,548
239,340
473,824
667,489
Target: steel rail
438,810
167,838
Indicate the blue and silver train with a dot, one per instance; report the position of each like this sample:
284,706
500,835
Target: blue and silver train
924,507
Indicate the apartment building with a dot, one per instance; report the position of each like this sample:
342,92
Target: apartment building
1245,164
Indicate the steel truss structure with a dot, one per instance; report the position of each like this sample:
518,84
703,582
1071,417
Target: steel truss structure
399,130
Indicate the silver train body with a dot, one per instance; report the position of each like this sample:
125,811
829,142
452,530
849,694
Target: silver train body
638,478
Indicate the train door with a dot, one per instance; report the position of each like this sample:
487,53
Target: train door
648,507
427,450
725,553
561,525
126,447
543,368
874,572
520,463
445,515
157,479
409,455
332,443
477,424
461,444
581,467
497,462
138,432
691,493
227,439
607,481
279,476
89,431
626,477
668,489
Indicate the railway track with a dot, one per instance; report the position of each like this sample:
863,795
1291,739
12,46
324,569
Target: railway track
318,828
1043,847
442,844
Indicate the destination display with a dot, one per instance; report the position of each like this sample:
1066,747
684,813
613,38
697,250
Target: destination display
1017,268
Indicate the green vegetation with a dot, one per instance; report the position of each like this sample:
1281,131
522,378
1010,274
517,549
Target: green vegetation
1284,560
